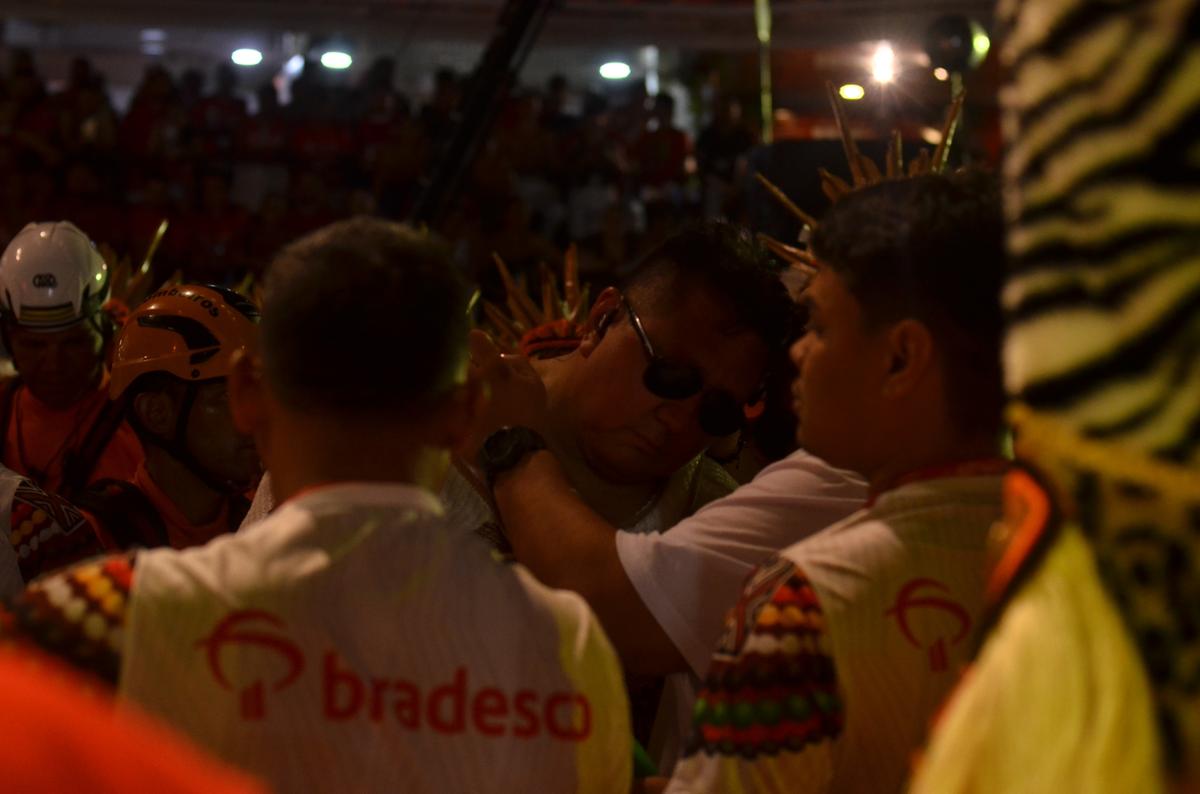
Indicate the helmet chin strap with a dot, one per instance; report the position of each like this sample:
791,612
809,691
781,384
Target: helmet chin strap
177,448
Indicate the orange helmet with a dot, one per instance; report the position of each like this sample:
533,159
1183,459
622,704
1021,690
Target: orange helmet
187,331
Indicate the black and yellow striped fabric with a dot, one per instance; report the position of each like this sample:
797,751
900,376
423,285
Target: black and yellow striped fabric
1103,169
1102,355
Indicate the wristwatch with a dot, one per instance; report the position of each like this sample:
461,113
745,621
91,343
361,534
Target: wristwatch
505,448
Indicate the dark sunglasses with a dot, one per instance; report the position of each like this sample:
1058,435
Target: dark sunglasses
721,414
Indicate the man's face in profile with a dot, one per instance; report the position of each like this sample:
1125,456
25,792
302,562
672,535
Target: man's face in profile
838,382
629,435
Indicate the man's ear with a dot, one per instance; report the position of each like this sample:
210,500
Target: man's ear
600,319
247,398
910,357
157,412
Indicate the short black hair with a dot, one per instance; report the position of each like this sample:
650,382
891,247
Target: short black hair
363,317
731,265
932,248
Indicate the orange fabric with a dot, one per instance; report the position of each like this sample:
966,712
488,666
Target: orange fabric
44,431
180,532
65,736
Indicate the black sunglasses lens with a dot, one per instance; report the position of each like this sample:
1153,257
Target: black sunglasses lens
671,381
720,414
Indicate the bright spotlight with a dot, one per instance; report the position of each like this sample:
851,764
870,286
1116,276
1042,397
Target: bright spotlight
336,60
941,74
246,56
883,63
852,91
981,44
294,66
615,70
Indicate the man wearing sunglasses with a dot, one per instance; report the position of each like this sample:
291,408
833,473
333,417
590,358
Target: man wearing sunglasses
674,359
828,668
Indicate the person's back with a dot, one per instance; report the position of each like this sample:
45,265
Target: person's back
352,642
901,586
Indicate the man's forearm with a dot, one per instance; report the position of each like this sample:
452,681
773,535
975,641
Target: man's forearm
567,545
552,530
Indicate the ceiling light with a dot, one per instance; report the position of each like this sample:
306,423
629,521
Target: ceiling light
941,74
883,63
615,70
851,91
336,60
154,34
294,66
246,56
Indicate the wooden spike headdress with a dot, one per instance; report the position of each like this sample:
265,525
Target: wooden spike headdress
863,171
553,326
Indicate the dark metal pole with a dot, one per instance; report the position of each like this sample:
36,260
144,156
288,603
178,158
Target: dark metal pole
516,30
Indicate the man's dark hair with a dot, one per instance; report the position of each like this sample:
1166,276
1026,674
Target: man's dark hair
931,248
731,265
362,317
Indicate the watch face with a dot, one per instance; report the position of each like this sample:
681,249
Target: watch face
506,447
500,445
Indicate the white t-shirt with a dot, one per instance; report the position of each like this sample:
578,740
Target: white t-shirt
351,642
900,587
690,576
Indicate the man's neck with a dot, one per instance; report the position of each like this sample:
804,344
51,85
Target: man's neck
308,457
199,503
913,460
618,503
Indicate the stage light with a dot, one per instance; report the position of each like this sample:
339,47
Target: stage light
246,56
852,91
615,70
336,60
883,63
980,43
941,74
294,66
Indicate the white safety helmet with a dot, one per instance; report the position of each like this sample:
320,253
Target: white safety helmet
52,277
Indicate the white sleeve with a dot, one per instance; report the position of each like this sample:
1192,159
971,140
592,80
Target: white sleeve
263,504
690,575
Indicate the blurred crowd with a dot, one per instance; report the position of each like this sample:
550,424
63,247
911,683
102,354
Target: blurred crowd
238,174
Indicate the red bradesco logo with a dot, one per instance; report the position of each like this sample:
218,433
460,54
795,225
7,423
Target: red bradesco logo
346,693
244,627
924,596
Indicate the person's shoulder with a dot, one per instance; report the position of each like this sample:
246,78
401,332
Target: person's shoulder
803,466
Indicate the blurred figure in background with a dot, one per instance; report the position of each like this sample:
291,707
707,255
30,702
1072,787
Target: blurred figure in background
170,371
58,426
